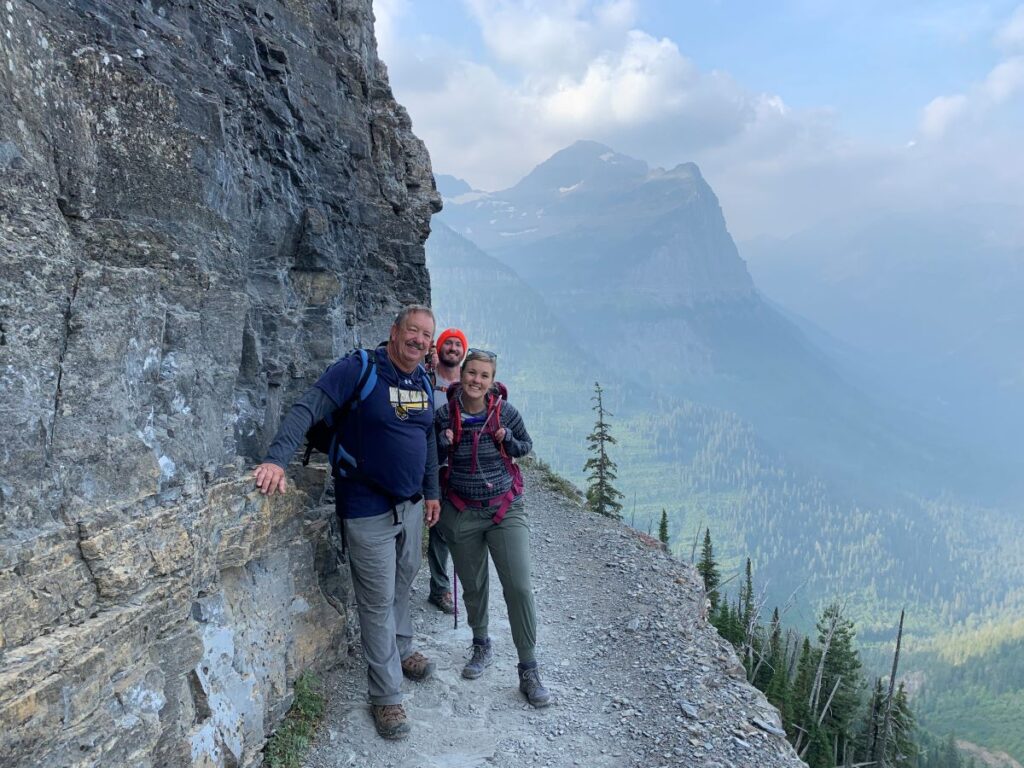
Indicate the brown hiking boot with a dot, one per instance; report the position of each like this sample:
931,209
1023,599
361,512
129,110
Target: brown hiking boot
443,602
417,667
390,721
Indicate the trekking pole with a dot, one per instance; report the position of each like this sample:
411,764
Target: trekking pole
455,596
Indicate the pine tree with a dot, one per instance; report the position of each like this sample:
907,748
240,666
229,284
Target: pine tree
840,677
772,656
779,690
663,528
747,607
750,635
602,496
799,727
903,750
708,569
734,626
819,752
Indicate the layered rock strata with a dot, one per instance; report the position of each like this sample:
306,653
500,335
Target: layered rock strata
201,205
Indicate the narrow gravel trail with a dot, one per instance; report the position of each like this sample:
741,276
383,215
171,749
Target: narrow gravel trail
639,678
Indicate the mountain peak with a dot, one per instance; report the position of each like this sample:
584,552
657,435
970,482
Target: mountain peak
582,165
450,186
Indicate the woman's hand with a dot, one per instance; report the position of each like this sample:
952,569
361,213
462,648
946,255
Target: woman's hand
449,435
499,434
431,512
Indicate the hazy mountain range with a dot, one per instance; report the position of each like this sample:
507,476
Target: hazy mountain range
928,307
638,266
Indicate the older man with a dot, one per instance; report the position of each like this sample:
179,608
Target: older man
390,437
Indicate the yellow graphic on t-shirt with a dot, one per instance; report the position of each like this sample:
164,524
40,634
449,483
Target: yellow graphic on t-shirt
407,400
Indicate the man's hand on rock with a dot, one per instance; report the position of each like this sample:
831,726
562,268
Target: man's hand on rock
269,478
431,511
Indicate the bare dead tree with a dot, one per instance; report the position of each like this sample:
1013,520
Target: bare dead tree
821,719
790,602
765,651
873,723
791,668
816,688
704,593
828,702
812,702
750,633
886,719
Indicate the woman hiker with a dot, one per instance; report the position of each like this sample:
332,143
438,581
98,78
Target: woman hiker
483,513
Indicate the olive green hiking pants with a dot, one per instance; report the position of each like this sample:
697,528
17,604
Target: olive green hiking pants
472,537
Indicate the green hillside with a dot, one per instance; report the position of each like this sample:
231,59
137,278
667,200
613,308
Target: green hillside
971,686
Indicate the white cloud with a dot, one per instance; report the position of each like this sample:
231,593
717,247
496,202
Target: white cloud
940,113
1011,36
646,81
1005,80
550,36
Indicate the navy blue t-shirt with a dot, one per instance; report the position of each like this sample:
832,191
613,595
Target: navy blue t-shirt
388,433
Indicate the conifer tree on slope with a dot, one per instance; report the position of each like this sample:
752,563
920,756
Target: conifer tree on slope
803,723
748,617
602,496
708,569
779,691
904,749
839,682
663,528
772,656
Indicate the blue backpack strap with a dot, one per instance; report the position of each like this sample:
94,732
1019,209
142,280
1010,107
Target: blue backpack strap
368,375
322,435
364,386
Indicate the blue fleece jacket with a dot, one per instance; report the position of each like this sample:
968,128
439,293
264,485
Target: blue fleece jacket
390,434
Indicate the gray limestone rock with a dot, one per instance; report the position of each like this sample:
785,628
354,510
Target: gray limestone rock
202,204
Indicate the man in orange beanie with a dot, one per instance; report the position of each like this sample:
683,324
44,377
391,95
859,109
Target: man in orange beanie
451,349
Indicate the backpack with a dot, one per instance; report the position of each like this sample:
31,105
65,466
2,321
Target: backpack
494,399
323,436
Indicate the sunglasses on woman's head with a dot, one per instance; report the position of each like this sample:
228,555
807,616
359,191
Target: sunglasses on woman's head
486,353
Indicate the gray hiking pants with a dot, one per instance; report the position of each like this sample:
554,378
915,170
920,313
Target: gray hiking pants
437,559
472,536
384,559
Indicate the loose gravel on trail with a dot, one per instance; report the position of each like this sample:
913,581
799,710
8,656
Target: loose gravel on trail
639,677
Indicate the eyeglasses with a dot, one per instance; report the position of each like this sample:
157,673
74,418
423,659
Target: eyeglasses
481,352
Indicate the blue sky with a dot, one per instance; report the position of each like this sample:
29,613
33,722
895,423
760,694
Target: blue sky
795,111
876,63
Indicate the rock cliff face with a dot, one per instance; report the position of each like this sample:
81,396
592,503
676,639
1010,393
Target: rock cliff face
201,204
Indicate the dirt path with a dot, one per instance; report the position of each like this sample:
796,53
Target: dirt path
639,678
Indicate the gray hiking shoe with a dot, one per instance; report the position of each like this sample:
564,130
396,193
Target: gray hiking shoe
482,658
531,686
390,721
